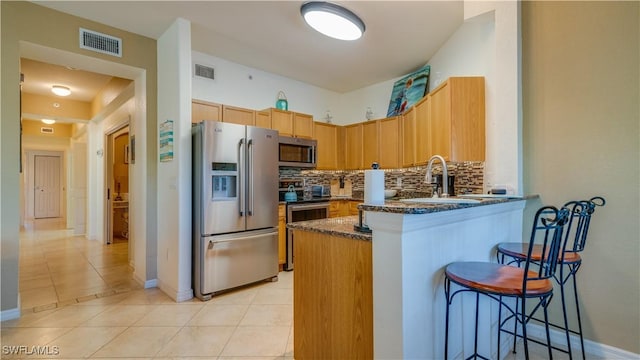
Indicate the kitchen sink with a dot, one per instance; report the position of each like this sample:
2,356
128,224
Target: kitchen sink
442,200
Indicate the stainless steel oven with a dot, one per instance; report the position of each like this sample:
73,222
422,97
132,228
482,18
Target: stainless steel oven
302,211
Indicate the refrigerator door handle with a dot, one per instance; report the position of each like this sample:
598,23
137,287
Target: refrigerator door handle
240,167
213,243
250,179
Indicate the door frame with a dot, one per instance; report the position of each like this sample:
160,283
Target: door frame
30,182
109,137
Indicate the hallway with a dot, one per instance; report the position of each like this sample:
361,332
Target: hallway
57,268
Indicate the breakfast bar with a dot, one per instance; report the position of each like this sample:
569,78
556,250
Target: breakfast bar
380,295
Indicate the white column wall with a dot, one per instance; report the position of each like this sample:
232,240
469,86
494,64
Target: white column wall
174,176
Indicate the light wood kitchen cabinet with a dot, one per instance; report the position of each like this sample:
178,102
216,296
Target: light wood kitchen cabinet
302,125
380,143
333,297
204,110
353,140
237,115
353,207
327,151
334,208
263,119
409,137
339,208
458,119
423,131
389,143
282,235
290,123
282,121
370,144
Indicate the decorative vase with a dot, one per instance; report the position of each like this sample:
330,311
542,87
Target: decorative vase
282,103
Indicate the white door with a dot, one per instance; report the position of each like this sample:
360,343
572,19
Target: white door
47,187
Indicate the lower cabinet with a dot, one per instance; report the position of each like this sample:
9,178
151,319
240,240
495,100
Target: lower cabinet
282,235
339,208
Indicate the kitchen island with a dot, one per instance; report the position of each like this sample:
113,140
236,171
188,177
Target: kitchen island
380,295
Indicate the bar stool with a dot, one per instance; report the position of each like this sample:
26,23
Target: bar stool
577,229
499,281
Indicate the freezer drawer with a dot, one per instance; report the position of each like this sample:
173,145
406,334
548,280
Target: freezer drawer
238,259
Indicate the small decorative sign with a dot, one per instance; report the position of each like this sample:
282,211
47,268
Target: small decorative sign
166,141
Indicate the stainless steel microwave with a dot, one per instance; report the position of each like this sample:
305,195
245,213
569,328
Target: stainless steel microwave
297,152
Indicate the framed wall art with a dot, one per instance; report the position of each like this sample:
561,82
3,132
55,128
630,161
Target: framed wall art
408,90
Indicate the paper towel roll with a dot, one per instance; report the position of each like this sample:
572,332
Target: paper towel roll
374,187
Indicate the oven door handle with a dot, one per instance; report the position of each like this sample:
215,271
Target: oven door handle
301,207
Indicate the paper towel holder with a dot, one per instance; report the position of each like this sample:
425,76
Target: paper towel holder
361,226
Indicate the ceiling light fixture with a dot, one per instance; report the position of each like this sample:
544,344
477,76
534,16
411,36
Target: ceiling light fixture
61,90
48,121
332,20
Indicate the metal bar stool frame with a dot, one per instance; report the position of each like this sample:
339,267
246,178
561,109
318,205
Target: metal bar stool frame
549,223
577,229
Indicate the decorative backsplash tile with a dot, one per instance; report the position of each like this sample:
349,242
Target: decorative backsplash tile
469,178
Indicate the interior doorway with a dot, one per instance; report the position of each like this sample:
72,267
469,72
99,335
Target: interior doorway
117,184
47,188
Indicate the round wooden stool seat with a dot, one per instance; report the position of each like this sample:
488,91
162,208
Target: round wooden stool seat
496,279
519,251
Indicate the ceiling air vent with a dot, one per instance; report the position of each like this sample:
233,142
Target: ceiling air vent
101,43
204,71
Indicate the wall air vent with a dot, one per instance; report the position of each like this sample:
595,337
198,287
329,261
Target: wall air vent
102,43
46,130
204,71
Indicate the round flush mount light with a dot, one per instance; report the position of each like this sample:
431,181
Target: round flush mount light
332,20
48,121
61,90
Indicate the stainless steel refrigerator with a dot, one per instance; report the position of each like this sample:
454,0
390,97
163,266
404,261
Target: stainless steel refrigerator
235,206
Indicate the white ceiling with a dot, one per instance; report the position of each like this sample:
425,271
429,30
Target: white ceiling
39,77
400,36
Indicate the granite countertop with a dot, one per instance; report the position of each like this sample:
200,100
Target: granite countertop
340,226
407,207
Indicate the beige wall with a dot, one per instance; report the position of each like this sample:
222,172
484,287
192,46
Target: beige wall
581,138
25,21
36,107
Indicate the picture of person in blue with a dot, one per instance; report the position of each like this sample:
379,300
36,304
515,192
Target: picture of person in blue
401,99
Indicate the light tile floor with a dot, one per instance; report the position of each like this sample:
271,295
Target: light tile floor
111,317
57,268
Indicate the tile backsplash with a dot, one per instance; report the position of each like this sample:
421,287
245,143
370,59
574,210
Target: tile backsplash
469,178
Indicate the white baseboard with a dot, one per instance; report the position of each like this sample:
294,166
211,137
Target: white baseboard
590,347
147,284
177,296
10,314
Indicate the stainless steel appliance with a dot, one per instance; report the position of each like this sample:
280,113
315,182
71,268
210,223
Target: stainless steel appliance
235,206
297,152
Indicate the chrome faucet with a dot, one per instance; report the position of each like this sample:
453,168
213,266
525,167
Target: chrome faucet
445,177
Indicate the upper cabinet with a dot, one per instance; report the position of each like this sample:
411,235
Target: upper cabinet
291,123
457,119
203,110
370,144
353,150
236,115
381,143
263,119
449,121
409,137
423,131
389,142
327,151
